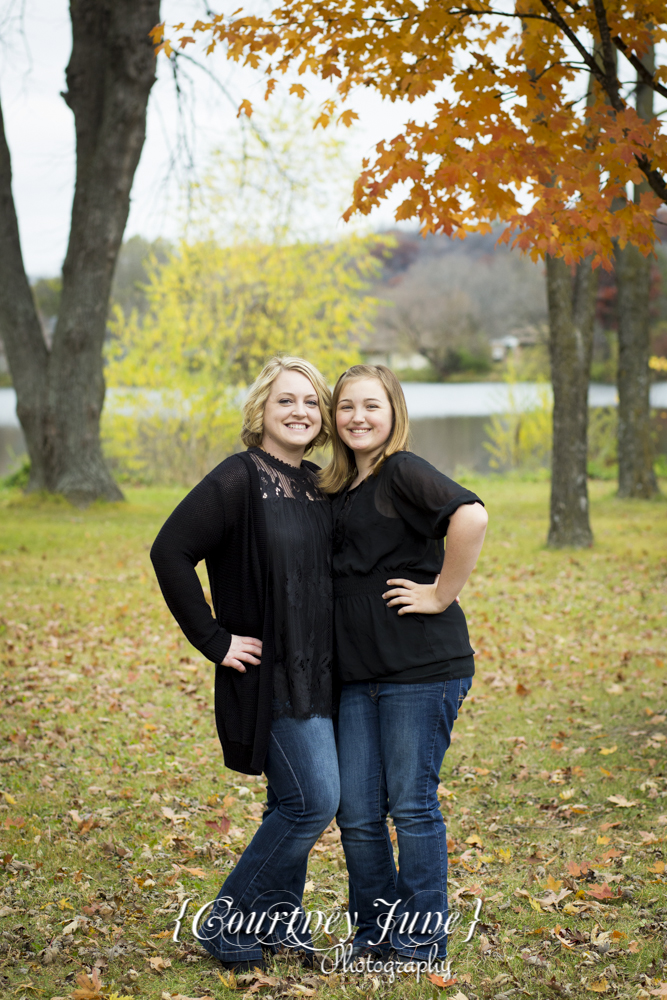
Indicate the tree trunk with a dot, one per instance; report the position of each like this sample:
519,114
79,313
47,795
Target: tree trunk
636,477
571,309
60,393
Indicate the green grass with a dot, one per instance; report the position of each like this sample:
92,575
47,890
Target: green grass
114,796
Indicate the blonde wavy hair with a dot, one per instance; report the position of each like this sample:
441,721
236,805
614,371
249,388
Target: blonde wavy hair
253,409
342,467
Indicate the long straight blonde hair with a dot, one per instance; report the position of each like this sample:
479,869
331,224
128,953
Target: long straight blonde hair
342,467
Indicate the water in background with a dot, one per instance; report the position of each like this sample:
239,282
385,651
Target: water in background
447,420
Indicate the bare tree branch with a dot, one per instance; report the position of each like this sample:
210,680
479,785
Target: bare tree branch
646,77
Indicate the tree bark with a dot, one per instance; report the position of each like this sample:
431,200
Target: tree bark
636,476
571,301
60,393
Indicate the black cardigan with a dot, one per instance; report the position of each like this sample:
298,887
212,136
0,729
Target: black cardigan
222,521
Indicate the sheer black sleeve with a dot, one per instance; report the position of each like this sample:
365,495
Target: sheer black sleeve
194,531
423,496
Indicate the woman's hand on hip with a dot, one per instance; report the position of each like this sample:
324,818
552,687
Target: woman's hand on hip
416,598
242,649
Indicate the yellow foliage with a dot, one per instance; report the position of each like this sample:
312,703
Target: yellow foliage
521,438
216,314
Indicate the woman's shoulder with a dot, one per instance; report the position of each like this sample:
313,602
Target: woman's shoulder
412,475
232,477
406,462
236,465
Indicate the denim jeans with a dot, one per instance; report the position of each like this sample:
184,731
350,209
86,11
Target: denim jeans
302,799
392,740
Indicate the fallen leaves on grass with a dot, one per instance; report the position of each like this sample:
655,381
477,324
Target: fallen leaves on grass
89,987
603,891
620,801
159,964
599,986
440,982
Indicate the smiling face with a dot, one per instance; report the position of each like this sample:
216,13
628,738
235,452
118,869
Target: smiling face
364,417
292,417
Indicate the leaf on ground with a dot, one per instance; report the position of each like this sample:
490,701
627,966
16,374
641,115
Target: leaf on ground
159,964
440,982
599,986
620,801
261,982
605,751
198,872
220,825
172,816
17,821
603,891
179,996
484,944
89,987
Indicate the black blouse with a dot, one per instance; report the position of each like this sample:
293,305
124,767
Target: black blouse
298,528
393,525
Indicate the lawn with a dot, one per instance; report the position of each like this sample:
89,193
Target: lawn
116,808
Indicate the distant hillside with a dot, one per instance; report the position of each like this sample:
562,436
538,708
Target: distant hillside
447,301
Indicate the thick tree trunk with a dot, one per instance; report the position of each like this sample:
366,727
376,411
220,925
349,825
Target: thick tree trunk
636,476
61,393
571,309
26,350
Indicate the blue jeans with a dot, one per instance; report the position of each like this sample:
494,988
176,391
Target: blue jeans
302,799
392,740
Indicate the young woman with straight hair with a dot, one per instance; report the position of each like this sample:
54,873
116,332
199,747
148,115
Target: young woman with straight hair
404,658
263,526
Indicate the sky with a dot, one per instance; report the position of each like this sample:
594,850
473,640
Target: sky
35,42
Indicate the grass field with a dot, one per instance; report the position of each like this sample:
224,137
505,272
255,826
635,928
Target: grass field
115,806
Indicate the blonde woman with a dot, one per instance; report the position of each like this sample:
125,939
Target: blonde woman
263,526
403,655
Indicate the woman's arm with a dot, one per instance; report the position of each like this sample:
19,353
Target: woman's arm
194,530
465,537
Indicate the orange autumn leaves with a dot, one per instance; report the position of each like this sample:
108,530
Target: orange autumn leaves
528,128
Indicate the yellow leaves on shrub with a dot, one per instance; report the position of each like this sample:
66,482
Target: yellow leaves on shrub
215,315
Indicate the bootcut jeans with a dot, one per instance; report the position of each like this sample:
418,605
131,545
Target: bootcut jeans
392,740
302,798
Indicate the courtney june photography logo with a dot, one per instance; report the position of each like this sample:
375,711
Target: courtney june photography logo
288,924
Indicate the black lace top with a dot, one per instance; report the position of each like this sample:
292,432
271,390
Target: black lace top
299,527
